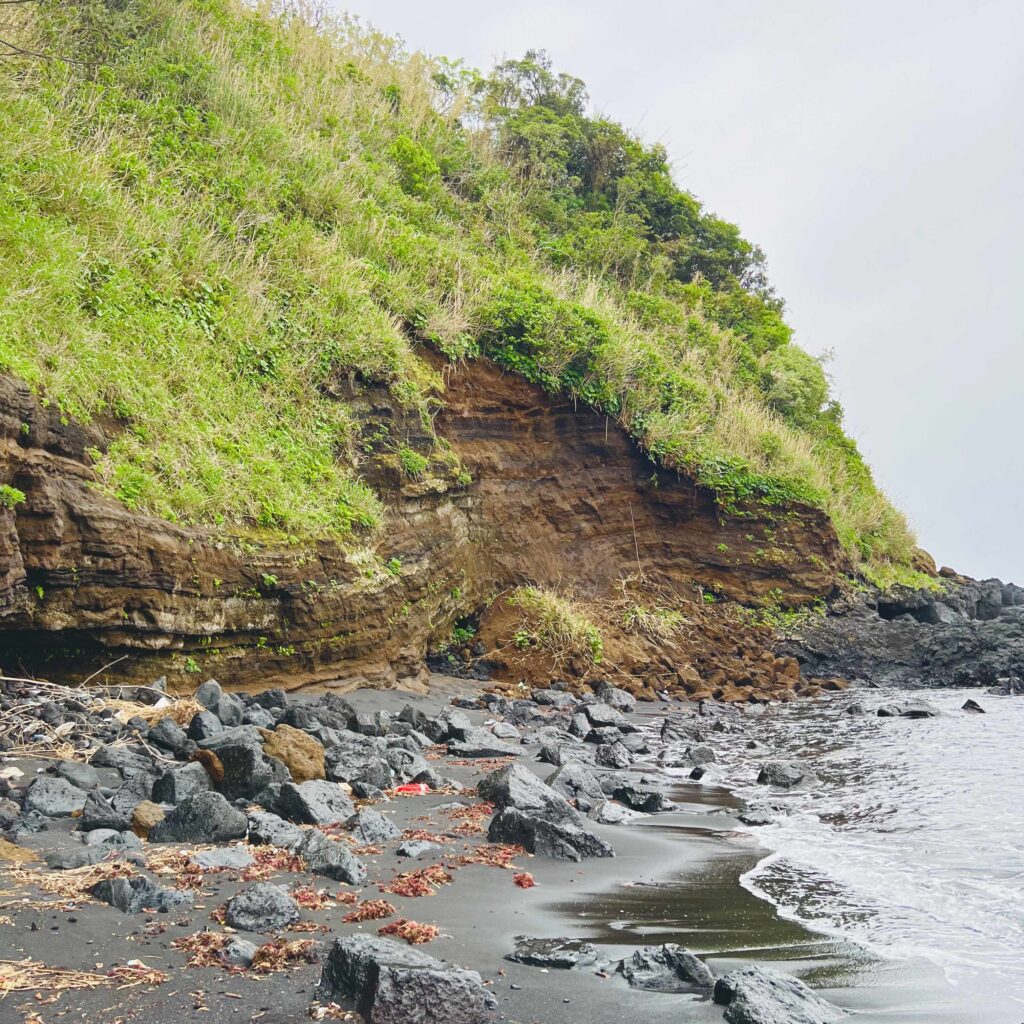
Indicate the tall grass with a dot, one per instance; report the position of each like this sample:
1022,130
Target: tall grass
557,624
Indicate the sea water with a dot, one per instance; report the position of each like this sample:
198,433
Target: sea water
911,844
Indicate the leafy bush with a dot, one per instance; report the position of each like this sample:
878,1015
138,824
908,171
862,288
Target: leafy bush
10,496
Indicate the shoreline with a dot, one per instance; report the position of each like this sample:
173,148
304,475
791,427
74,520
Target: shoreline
676,878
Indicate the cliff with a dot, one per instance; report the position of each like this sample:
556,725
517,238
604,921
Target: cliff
556,495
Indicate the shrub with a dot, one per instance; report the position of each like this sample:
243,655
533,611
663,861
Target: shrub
10,496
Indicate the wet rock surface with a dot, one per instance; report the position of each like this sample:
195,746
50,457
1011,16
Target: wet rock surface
560,954
758,995
668,968
970,633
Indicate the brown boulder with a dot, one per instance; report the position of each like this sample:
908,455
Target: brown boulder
145,816
301,754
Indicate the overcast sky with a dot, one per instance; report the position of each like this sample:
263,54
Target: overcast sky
875,150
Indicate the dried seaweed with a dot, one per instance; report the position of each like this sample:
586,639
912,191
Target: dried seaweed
369,910
412,931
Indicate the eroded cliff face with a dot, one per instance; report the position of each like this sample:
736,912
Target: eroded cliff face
562,494
558,495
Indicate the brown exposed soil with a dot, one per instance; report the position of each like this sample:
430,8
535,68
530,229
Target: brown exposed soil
559,496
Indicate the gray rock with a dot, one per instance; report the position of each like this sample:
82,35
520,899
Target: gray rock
76,857
648,801
244,735
314,803
234,858
54,798
259,717
757,995
262,907
414,717
331,859
372,723
756,815
230,710
204,724
127,761
346,765
167,734
138,893
270,830
180,783
98,812
973,706
82,776
457,723
239,952
609,813
602,715
506,731
574,782
615,697
482,743
99,836
517,787
918,709
9,814
613,755
700,753
417,848
634,742
370,827
604,734
208,694
111,839
391,983
135,789
554,698
562,840
579,725
247,770
559,954
783,774
668,968
202,818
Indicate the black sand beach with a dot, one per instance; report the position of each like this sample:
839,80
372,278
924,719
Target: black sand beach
674,878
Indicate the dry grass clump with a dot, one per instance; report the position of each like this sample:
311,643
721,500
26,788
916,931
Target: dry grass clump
558,624
25,734
180,709
73,884
32,975
35,976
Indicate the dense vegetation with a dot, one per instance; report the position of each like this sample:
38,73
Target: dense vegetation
212,214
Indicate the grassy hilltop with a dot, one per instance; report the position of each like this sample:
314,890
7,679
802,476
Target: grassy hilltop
213,213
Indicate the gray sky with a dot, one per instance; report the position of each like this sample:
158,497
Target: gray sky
875,150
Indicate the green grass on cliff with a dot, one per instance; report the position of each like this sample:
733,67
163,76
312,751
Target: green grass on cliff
213,216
